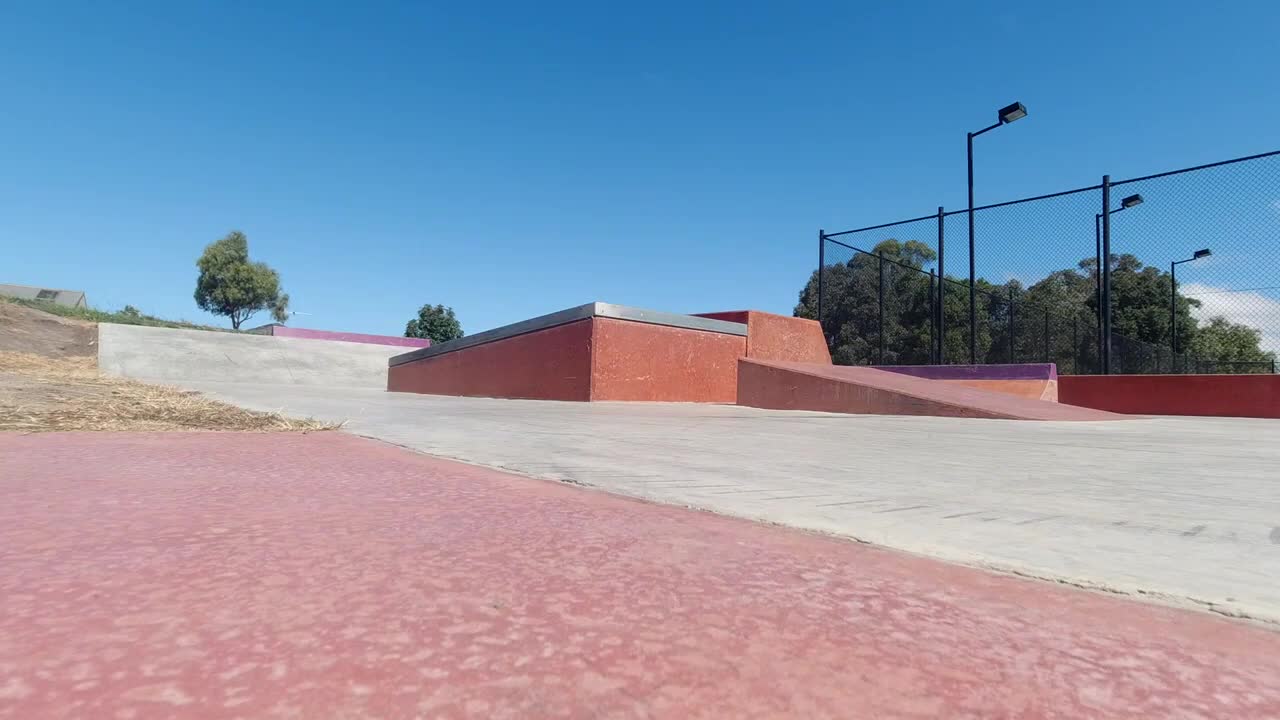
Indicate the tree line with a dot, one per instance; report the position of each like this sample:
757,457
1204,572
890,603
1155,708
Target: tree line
1052,320
232,285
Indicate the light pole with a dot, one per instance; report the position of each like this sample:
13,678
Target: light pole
1007,114
1173,301
1125,204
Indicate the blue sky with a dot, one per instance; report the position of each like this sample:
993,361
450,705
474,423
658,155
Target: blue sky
515,159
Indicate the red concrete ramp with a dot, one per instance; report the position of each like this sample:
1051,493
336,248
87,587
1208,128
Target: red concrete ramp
863,390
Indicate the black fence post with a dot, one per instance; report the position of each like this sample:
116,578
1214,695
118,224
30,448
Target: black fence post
1075,344
1011,326
1173,313
940,338
1097,279
1106,275
880,294
822,270
934,318
1046,334
973,288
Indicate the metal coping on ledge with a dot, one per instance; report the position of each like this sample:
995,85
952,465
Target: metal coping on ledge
563,317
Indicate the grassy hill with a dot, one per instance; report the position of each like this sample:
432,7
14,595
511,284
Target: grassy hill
127,316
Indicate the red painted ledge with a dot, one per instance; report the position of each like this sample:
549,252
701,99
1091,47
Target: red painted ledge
1256,396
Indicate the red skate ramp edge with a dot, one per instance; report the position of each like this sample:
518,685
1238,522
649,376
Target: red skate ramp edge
862,390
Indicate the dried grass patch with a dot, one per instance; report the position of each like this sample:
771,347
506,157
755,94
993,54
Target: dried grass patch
42,394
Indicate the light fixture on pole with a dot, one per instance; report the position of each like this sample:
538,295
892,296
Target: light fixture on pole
1005,115
1009,113
1173,300
1130,201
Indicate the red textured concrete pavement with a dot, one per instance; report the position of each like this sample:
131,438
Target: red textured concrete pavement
326,576
843,389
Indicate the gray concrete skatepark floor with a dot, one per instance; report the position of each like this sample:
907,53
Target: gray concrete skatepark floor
1182,510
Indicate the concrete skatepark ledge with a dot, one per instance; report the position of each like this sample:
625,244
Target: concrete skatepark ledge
601,351
597,351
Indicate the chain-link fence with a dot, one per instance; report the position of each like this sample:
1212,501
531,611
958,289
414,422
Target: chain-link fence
879,292
1207,239
1191,284
1039,256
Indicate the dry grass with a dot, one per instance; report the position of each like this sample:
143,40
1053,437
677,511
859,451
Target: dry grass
41,394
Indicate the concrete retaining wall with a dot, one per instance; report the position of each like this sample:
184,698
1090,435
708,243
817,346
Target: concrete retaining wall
176,356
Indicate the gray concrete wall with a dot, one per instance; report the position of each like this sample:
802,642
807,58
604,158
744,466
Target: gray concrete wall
182,356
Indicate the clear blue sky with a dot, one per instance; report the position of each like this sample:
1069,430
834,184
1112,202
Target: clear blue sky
514,159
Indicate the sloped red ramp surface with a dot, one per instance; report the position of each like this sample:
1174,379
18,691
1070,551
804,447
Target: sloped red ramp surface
862,390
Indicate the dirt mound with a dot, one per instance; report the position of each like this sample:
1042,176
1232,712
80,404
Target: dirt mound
25,330
44,394
49,380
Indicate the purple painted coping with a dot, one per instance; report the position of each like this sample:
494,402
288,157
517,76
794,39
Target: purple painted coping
1024,371
283,331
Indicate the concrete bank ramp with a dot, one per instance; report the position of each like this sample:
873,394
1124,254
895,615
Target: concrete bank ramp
178,356
864,390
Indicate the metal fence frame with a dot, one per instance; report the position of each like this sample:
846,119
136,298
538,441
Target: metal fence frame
1105,339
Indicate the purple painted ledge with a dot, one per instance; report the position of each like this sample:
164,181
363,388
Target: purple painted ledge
1023,371
285,331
